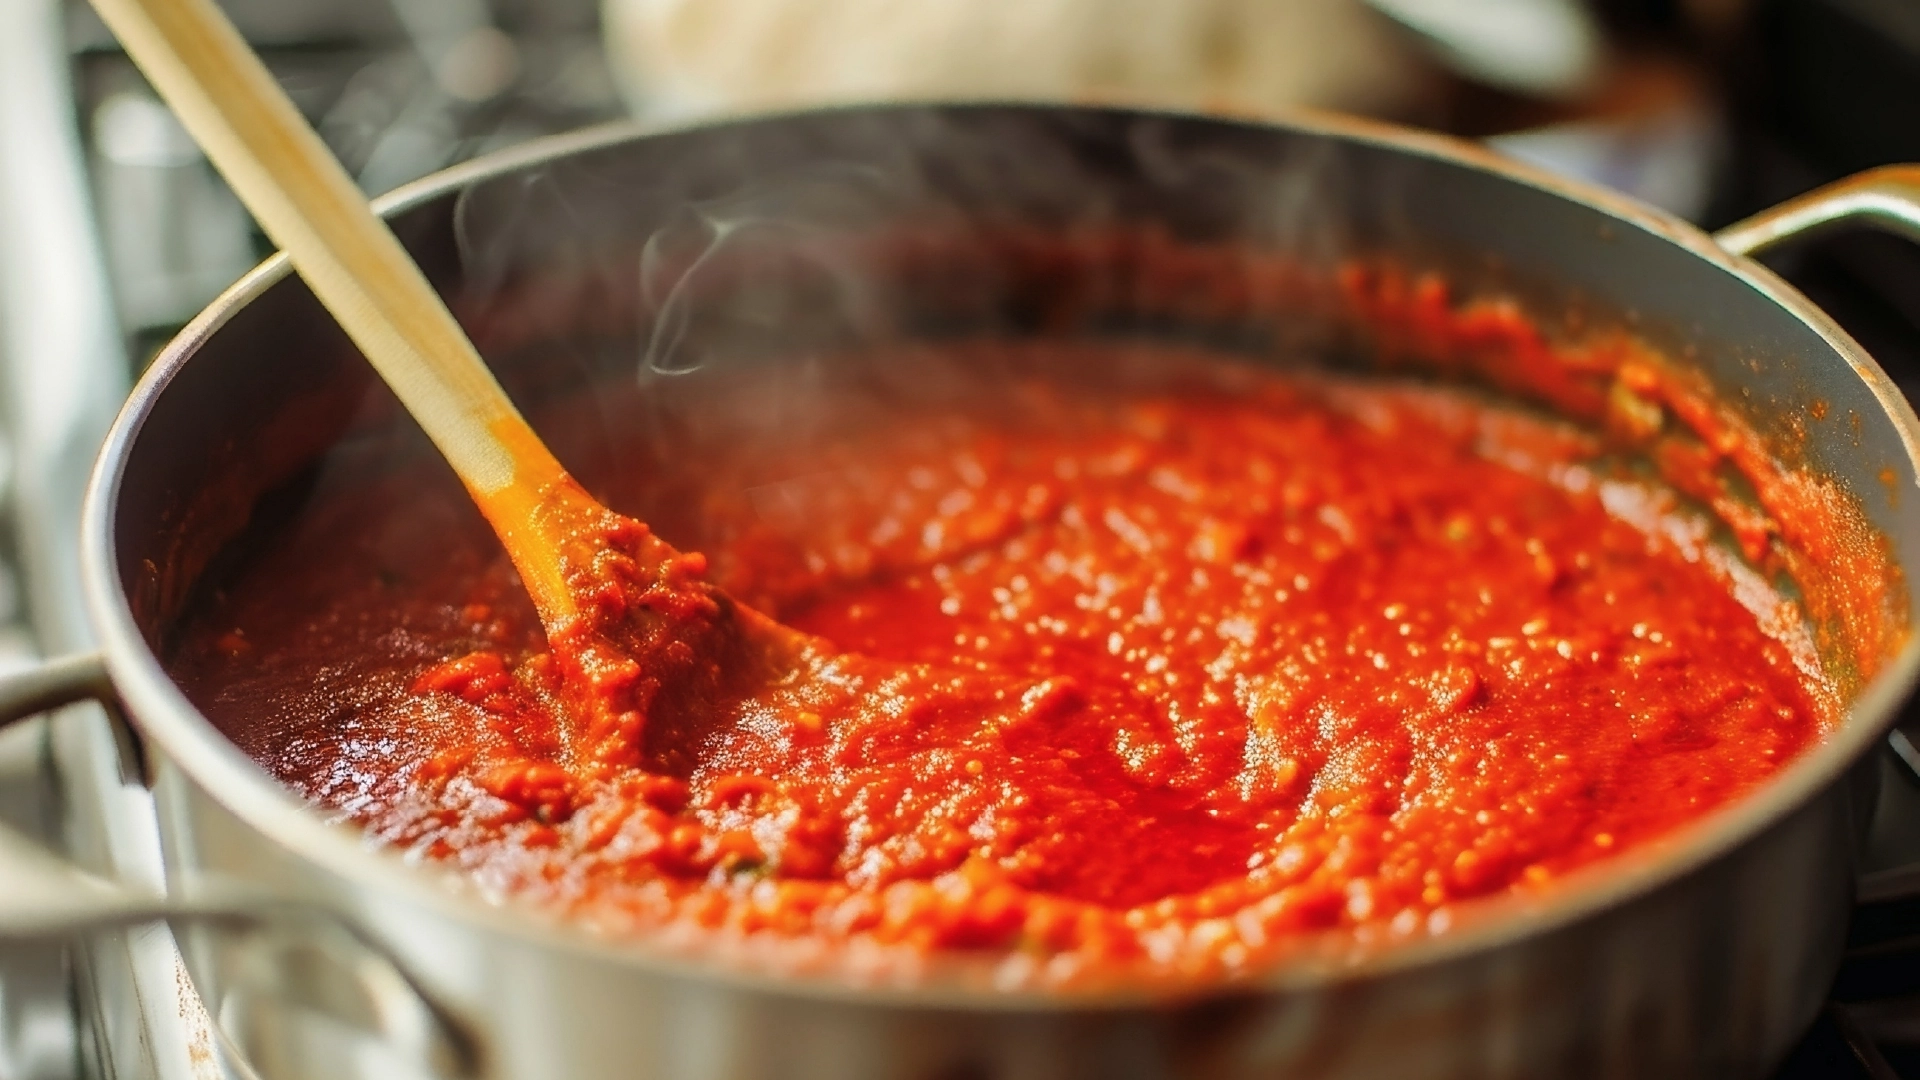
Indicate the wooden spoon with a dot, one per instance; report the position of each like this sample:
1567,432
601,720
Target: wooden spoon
631,620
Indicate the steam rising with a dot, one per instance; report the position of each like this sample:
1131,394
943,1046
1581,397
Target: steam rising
744,240
780,232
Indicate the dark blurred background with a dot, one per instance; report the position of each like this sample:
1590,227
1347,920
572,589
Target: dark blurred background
1709,108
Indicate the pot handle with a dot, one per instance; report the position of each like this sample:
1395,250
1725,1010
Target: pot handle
44,895
1886,198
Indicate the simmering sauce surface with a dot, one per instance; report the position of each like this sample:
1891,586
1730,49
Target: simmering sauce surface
1162,674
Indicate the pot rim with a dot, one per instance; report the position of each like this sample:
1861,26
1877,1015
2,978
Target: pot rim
235,781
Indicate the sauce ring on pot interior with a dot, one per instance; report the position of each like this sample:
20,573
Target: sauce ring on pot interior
1132,658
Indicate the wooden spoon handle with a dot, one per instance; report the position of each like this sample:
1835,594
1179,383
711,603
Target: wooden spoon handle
308,204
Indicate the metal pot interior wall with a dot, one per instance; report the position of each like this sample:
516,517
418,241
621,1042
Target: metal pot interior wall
680,259
676,261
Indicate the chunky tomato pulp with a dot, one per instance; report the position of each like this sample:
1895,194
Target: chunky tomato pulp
1163,674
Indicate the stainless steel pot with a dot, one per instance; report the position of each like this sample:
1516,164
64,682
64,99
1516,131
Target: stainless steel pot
1704,957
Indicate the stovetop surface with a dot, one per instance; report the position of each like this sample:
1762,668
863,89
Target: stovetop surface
1870,1029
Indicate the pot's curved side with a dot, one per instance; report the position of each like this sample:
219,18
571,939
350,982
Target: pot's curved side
1705,958
1715,974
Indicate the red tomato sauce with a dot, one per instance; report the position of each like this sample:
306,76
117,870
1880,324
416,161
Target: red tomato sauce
1163,673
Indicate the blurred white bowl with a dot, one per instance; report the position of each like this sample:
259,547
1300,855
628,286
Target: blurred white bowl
686,58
